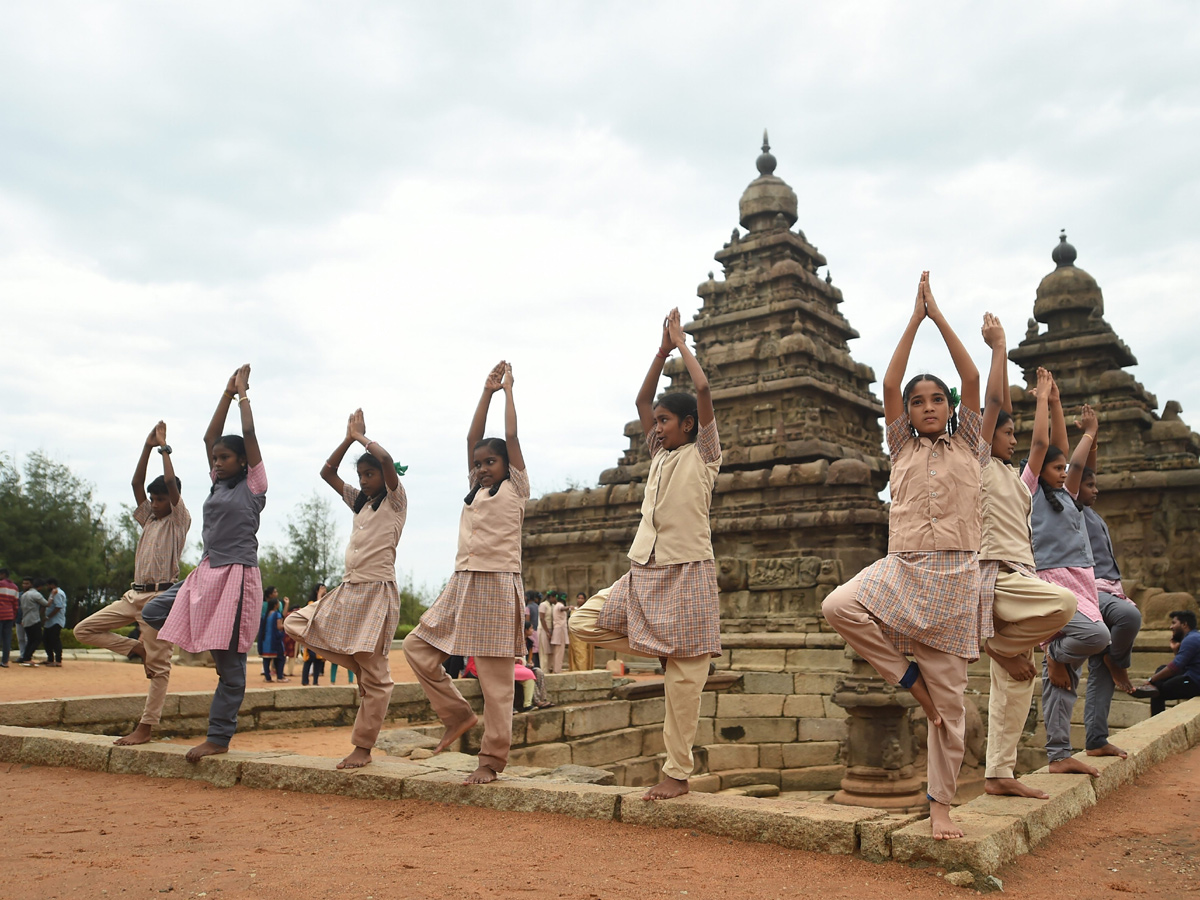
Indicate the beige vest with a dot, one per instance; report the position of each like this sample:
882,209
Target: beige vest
1007,507
674,526
489,531
371,553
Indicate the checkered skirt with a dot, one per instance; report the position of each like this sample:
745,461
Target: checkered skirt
930,597
667,610
359,617
477,614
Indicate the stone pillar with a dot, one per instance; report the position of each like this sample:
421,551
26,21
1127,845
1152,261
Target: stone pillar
880,754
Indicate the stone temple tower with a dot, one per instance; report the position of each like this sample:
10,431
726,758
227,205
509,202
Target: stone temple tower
1149,471
796,509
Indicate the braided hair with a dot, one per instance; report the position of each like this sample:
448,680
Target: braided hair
1052,453
951,398
500,448
362,499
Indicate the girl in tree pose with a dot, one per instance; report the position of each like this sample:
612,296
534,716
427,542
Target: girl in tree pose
481,612
1063,554
666,605
1026,610
213,608
354,624
922,599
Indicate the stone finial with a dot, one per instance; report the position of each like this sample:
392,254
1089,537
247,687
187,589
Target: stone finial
710,276
829,276
735,236
766,162
1031,329
1064,253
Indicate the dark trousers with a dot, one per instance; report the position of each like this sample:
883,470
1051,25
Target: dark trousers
52,639
6,633
314,665
33,639
1180,687
277,662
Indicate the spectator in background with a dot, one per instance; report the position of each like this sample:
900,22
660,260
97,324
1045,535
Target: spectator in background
56,621
1180,678
10,607
532,599
558,633
581,655
33,614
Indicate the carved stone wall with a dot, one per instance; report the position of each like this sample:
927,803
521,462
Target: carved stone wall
1148,466
796,508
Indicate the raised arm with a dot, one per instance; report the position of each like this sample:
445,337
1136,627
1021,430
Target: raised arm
967,372
704,404
515,458
1040,440
358,427
997,389
160,435
1093,451
217,425
893,378
1090,425
253,453
1058,421
329,471
645,397
139,474
493,383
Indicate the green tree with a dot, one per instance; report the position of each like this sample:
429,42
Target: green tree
311,555
51,526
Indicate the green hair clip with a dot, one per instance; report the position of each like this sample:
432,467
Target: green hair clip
954,397
400,470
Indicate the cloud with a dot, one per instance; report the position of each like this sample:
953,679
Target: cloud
372,203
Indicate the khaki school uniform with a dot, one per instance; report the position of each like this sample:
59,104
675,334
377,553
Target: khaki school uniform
354,624
155,568
480,613
923,597
667,605
1026,610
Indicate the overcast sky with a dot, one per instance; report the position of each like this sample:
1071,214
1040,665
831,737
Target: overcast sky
372,203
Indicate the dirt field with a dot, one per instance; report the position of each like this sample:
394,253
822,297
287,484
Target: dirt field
83,834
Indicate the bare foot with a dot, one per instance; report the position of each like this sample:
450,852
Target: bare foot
921,692
356,760
1108,750
1019,668
666,789
1120,676
139,735
1072,766
453,734
1059,677
482,775
1012,787
939,818
208,748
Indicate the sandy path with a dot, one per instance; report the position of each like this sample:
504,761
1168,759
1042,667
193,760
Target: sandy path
88,678
85,834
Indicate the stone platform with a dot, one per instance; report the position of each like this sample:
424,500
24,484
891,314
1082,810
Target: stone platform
998,829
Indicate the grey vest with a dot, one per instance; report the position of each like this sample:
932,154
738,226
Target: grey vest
1060,539
231,516
1102,547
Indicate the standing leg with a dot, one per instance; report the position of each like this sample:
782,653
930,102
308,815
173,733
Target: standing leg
33,639
1124,621
496,682
279,676
1008,708
683,684
1065,654
21,638
53,641
375,693
6,633
946,678
556,656
226,701
448,704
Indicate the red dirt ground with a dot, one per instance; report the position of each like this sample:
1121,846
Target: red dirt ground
83,834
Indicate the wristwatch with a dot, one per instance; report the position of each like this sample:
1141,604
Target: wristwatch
165,448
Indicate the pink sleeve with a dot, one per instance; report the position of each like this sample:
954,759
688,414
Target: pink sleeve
1029,480
256,479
